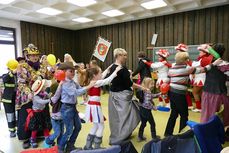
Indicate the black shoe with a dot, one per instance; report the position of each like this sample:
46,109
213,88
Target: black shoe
167,135
157,137
70,148
26,144
140,139
12,134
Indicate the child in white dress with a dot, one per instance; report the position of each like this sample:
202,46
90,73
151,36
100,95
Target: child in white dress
94,112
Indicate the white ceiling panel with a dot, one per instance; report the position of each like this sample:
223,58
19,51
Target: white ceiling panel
26,10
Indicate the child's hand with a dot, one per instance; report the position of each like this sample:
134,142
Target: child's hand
118,68
61,83
144,61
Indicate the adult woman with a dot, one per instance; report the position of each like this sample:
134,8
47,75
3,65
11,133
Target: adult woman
214,90
27,73
123,114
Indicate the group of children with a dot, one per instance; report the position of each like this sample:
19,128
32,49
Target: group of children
63,98
177,75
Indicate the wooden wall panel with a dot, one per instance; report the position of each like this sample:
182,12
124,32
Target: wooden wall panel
193,27
48,39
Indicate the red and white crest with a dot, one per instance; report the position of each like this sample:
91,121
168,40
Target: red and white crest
163,52
182,47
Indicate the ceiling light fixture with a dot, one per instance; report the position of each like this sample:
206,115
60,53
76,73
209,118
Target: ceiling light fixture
82,20
82,3
49,11
113,13
153,4
6,1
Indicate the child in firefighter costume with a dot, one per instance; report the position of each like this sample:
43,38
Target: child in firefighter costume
94,112
9,95
162,68
27,73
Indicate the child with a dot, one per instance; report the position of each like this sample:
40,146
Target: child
199,79
179,79
162,68
69,92
56,119
145,109
93,110
9,95
37,119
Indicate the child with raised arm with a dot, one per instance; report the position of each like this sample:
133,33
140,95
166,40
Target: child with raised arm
94,112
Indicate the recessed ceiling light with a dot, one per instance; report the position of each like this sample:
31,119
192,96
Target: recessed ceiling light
82,20
82,3
49,11
6,1
153,4
113,13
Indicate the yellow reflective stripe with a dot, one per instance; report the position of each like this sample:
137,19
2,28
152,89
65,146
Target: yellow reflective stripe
12,129
11,75
6,100
9,85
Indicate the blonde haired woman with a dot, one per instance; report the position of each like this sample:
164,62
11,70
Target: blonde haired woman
123,114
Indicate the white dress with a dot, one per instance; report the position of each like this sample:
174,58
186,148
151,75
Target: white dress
93,109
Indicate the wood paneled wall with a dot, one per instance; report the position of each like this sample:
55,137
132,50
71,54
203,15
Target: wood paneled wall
192,28
49,39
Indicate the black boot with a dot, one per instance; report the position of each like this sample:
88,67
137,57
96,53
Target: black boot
98,142
89,142
26,144
12,134
70,147
154,136
140,136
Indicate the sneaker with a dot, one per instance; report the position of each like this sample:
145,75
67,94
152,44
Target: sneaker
196,110
160,104
140,139
167,105
12,134
26,144
33,143
190,107
46,145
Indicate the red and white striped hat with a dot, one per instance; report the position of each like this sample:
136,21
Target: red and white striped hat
163,52
37,86
182,47
203,47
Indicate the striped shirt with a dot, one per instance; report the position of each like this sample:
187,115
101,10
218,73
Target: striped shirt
179,76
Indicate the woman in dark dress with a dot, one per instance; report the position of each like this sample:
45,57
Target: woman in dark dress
215,91
123,114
